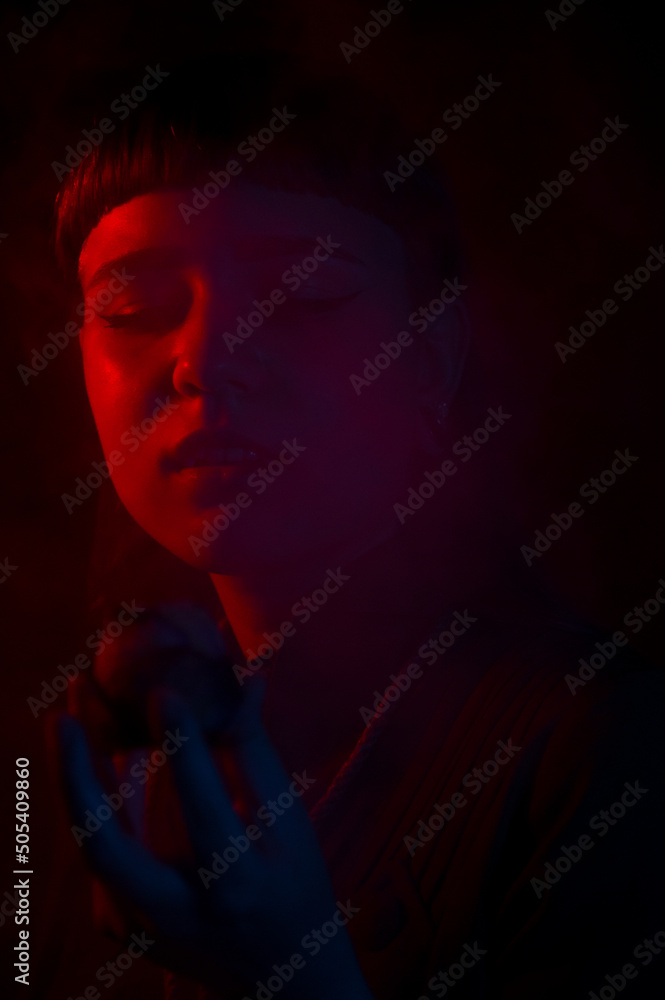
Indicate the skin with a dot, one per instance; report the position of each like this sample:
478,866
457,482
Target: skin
334,504
332,507
290,380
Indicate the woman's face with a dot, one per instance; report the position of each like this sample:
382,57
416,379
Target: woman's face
219,374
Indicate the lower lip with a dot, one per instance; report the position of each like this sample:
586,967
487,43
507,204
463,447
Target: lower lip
211,478
230,468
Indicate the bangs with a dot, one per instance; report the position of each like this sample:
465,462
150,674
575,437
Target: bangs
339,143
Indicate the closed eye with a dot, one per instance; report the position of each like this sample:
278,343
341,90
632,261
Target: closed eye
314,303
148,318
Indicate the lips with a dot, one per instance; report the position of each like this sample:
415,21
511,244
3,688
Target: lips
214,449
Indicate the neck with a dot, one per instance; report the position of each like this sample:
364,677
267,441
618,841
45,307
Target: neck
341,644
388,592
346,629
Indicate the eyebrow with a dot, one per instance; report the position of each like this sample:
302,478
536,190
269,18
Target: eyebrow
246,249
264,247
134,259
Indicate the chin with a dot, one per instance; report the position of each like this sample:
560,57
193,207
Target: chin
227,553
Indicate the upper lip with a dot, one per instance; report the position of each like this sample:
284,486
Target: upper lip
214,447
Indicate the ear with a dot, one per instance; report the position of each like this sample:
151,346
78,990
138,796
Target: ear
444,345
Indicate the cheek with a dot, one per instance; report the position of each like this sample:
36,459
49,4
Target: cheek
340,364
361,455
119,388
359,443
359,421
122,397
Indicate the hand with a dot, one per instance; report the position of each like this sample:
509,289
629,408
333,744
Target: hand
175,646
231,934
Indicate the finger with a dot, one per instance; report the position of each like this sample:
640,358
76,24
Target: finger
174,646
87,701
105,765
119,860
205,801
271,795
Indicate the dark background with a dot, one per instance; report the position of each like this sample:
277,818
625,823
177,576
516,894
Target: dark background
557,87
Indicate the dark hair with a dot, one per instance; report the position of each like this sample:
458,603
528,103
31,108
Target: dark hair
341,142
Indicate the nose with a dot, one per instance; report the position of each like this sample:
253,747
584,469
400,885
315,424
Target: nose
210,357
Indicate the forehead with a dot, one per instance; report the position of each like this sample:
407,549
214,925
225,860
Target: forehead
249,222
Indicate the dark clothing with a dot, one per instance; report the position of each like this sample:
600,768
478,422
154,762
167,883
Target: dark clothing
502,835
545,869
